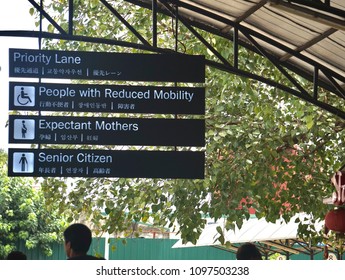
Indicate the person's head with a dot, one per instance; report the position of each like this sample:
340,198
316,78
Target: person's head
16,255
78,238
248,251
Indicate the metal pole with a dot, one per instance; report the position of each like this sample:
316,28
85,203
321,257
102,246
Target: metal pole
41,18
235,47
176,42
70,16
154,23
176,27
316,82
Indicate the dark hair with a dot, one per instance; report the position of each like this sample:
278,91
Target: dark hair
16,255
248,251
79,236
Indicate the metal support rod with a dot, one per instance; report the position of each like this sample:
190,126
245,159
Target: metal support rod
40,47
47,17
311,254
198,36
316,82
275,63
338,112
341,91
176,44
235,40
316,5
70,16
41,19
123,20
176,28
154,23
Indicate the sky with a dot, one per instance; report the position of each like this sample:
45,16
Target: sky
14,15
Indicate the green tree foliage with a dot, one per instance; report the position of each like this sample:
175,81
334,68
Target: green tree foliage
265,148
24,215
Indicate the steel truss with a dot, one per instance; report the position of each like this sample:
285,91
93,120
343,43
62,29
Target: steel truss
171,9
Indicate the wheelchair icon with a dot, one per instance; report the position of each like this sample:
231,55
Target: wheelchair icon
25,96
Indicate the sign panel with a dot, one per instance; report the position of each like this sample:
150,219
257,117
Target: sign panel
106,66
106,163
106,98
106,131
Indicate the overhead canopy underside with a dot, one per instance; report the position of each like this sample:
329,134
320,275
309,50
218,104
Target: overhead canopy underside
303,37
305,34
306,37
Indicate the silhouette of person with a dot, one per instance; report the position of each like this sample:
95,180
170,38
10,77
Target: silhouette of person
248,251
24,95
16,255
78,238
23,161
24,129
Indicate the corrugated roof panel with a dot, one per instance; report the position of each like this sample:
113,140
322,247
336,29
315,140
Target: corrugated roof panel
278,27
231,8
327,48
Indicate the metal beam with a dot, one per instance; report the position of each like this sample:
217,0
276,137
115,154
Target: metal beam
123,20
47,16
305,11
154,23
312,42
197,35
325,7
70,16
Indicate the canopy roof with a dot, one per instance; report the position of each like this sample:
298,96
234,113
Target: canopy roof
306,37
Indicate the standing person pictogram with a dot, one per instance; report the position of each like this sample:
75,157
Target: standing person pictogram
23,163
24,129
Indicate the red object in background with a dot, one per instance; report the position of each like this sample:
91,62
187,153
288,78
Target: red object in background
338,180
335,220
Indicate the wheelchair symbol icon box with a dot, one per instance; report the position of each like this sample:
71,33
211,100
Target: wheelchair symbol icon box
24,96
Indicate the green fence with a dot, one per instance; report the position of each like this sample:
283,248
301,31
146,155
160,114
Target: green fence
97,247
135,249
160,249
145,249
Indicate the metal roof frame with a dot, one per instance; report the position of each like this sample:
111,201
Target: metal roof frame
321,75
214,17
210,16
